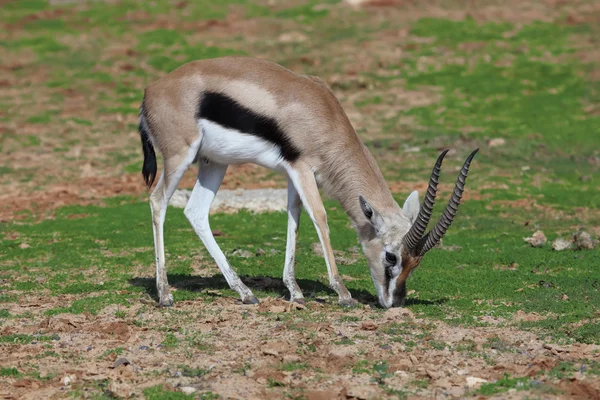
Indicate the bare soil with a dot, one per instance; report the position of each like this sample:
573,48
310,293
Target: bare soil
275,349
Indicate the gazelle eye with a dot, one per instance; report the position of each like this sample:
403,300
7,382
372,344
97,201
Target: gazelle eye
390,258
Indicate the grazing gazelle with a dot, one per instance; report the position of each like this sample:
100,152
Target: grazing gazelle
234,110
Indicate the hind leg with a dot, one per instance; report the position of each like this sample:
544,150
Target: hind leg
210,177
159,199
289,276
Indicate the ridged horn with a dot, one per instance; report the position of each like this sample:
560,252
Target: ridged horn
438,231
416,232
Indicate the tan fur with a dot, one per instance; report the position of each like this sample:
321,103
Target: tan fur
315,123
306,109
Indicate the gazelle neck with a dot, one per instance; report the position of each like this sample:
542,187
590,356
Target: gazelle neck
351,173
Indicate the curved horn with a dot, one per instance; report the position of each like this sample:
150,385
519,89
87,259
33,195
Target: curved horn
434,236
416,232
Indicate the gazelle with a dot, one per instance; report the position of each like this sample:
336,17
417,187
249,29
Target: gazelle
233,110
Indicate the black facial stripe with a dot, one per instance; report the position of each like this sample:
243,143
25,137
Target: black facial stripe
225,111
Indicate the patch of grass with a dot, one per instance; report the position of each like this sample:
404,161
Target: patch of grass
160,393
507,383
272,383
361,367
4,313
293,366
170,341
25,339
41,45
92,304
117,351
349,318
192,372
5,371
306,13
420,383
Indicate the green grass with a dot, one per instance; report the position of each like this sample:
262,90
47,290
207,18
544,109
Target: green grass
463,283
4,371
524,83
160,393
507,383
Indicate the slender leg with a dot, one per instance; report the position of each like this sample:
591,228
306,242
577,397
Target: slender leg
159,199
306,185
289,276
210,177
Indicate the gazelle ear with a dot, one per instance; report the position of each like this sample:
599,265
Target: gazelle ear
371,214
411,206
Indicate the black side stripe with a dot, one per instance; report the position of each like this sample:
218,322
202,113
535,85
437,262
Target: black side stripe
225,111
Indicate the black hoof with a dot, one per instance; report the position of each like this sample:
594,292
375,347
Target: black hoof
348,302
166,302
299,301
250,300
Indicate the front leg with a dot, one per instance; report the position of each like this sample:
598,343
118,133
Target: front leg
306,185
294,209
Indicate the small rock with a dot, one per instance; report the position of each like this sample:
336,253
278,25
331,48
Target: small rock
323,394
583,241
292,37
560,244
412,149
404,365
369,326
277,309
397,313
188,390
496,142
362,392
555,349
260,252
66,381
120,361
538,239
24,246
119,389
474,381
291,358
242,253
435,375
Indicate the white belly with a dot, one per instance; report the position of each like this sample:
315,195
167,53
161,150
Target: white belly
227,146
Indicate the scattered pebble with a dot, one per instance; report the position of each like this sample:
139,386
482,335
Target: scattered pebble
538,239
496,142
560,244
369,326
188,390
474,381
292,37
120,361
242,253
583,241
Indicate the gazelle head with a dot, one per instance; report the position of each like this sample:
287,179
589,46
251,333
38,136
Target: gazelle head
399,241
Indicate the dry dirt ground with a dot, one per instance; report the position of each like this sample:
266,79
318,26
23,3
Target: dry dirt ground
273,350
276,350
